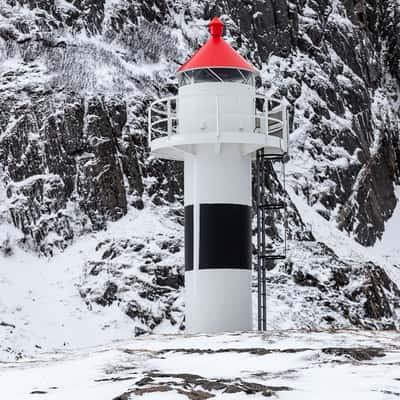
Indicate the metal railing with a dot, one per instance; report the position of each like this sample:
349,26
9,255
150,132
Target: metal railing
162,118
270,118
271,115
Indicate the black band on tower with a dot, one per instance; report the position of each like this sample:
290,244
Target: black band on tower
225,236
189,238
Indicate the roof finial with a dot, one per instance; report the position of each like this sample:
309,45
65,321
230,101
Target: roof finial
216,27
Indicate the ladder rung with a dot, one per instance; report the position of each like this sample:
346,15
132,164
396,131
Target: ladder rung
273,157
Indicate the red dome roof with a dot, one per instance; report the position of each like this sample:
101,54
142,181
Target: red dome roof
216,53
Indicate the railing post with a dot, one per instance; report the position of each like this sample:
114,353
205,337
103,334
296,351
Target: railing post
169,120
255,114
176,115
217,111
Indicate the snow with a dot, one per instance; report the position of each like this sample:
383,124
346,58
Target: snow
50,315
40,296
64,5
75,375
216,364
313,365
45,305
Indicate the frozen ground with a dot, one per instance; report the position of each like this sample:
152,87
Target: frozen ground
41,309
285,365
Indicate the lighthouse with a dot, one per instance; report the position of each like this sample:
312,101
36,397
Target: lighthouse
215,125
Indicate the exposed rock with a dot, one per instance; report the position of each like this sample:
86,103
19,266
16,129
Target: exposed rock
37,208
81,151
376,291
270,26
195,387
19,147
100,179
164,277
109,295
135,290
342,84
362,354
305,279
131,168
74,152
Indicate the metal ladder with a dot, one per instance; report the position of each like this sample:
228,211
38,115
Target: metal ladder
265,205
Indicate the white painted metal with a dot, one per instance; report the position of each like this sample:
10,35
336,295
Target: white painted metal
223,177
218,132
217,113
197,106
218,300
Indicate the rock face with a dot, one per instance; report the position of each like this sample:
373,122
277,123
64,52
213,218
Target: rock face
83,150
37,207
76,78
342,294
100,181
271,27
337,63
151,277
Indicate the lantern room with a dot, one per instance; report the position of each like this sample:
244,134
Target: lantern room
217,103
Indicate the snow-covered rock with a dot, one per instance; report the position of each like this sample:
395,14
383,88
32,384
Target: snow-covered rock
76,78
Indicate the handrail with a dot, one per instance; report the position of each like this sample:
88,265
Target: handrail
170,116
273,118
168,120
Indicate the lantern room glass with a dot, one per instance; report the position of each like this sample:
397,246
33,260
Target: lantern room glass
214,75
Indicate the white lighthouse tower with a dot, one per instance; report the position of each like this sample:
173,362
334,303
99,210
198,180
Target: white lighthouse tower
215,128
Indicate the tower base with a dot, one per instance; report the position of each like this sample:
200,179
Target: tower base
218,300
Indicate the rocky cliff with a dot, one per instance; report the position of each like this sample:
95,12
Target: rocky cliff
76,78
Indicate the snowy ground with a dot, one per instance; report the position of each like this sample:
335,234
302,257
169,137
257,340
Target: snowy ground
285,365
71,351
41,309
